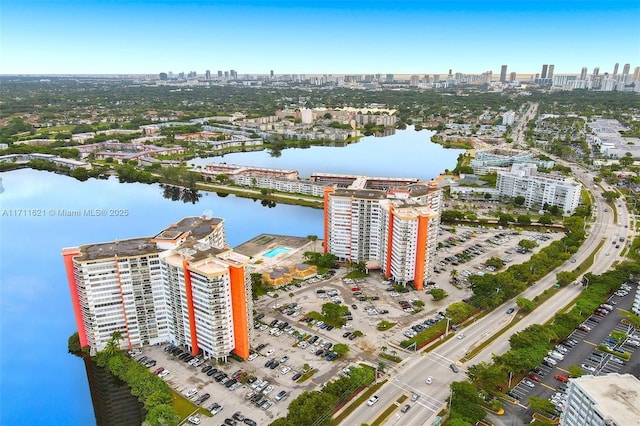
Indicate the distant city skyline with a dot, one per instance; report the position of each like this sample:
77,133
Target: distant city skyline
330,37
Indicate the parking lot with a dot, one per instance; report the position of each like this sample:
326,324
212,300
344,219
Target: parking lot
286,344
582,349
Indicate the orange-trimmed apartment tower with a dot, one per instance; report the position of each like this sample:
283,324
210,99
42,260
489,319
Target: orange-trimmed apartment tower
183,286
395,230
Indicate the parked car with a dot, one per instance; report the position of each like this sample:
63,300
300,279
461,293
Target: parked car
405,408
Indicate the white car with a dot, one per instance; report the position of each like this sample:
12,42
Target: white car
372,400
268,389
164,373
460,336
191,392
270,352
285,370
529,383
587,367
429,380
194,420
252,357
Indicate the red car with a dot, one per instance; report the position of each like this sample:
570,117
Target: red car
159,370
534,377
355,288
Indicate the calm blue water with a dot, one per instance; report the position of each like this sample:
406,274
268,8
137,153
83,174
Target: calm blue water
408,154
276,251
39,380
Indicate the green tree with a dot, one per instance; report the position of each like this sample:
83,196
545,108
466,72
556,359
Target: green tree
487,375
161,415
566,277
633,319
524,219
334,312
311,408
438,294
575,371
519,200
291,294
465,402
525,304
541,405
340,349
527,244
545,219
459,311
495,262
313,239
504,219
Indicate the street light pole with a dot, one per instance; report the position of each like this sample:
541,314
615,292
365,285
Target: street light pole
447,332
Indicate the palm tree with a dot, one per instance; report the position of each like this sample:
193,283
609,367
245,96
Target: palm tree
313,239
291,296
383,349
111,347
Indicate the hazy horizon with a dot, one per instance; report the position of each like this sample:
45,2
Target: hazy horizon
76,37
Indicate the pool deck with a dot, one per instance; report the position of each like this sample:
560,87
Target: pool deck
257,246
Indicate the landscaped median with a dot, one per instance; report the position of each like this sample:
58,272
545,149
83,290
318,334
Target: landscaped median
356,403
390,409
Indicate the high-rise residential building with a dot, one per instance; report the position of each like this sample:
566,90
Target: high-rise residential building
625,69
512,77
539,189
596,72
183,285
394,230
503,74
389,78
615,69
219,74
636,74
271,74
550,71
543,74
163,76
207,75
233,74
610,400
583,73
414,81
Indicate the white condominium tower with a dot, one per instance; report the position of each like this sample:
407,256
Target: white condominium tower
610,400
395,230
539,189
183,286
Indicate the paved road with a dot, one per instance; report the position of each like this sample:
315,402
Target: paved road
413,372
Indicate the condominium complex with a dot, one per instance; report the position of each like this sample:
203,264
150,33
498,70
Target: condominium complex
539,189
611,400
395,230
183,285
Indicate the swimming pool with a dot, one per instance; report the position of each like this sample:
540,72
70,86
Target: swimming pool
276,251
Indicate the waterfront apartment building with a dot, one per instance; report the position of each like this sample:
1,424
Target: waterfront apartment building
184,286
539,189
611,400
395,230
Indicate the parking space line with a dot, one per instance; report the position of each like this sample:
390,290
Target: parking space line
563,370
548,387
591,343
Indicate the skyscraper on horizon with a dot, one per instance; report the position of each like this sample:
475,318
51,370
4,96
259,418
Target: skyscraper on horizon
503,74
543,74
583,73
615,69
550,71
625,69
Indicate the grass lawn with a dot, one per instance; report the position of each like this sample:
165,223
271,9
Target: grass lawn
184,407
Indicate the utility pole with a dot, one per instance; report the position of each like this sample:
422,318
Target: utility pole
447,332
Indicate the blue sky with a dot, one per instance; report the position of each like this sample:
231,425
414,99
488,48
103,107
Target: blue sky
352,36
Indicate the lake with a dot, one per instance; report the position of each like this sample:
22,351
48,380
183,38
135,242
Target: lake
408,154
39,381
